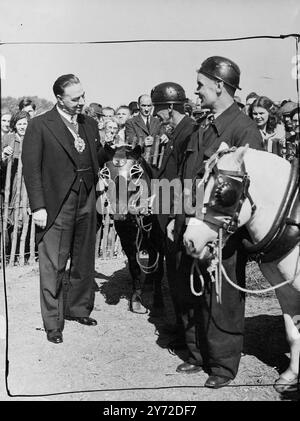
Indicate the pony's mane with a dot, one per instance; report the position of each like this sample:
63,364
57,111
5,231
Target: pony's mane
269,159
267,170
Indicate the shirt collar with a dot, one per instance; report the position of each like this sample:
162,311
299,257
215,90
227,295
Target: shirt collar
67,116
221,122
180,125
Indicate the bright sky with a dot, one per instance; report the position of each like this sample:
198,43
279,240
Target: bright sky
113,74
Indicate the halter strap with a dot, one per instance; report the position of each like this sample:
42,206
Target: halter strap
228,223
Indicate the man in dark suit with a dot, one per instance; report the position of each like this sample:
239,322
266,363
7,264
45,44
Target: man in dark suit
60,170
142,128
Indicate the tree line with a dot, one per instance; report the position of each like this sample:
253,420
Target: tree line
42,104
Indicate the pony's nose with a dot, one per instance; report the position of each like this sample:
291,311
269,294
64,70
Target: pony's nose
189,245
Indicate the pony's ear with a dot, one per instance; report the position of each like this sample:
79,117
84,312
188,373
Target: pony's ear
240,153
223,146
136,152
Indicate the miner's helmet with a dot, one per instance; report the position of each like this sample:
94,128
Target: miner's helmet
168,93
287,107
222,69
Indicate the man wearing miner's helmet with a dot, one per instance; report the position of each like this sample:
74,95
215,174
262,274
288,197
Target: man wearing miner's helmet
214,331
169,100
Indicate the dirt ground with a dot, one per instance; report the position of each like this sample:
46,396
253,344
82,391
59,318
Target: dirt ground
124,357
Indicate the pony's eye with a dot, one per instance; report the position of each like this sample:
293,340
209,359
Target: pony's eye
226,195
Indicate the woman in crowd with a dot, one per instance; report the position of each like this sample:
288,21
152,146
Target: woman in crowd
292,144
5,151
12,147
5,122
110,132
265,113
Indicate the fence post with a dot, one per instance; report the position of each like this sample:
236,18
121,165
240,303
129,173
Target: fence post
105,235
16,210
7,194
113,240
25,223
32,242
98,238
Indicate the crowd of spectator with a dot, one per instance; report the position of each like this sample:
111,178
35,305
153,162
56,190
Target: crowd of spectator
278,124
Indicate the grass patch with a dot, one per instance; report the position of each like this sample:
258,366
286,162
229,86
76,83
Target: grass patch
256,280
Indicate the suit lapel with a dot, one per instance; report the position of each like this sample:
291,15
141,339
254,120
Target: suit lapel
153,123
60,132
140,122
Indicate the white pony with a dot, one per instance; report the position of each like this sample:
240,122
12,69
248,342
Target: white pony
258,207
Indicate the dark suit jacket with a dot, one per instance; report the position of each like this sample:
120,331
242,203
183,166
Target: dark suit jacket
135,127
49,164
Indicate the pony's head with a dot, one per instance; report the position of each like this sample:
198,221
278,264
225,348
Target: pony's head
225,203
125,182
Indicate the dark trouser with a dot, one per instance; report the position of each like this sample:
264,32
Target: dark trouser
214,331
127,231
170,254
71,235
155,246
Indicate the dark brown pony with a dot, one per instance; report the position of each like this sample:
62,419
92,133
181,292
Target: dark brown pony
124,181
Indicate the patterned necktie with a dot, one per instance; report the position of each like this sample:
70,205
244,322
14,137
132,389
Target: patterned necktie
79,143
74,121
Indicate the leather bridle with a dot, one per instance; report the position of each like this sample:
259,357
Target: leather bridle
230,190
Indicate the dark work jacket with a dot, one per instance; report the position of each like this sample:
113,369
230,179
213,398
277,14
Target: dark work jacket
49,163
233,127
175,149
172,159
